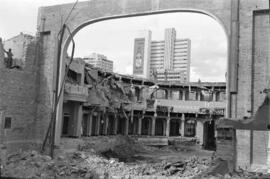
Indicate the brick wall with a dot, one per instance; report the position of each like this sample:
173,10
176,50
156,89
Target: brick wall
225,150
245,54
18,101
261,67
226,145
243,149
260,147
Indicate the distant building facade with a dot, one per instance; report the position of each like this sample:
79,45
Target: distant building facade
99,61
165,60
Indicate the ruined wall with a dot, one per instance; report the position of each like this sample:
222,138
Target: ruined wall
18,101
246,8
225,141
260,151
260,61
18,45
243,148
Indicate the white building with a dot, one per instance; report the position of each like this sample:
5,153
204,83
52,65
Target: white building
142,50
169,59
99,61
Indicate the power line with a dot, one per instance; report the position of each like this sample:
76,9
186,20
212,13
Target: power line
73,7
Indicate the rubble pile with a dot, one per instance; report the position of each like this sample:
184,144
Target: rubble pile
81,165
117,157
122,147
31,164
189,168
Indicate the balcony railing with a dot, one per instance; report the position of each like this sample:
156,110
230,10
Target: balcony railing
191,106
74,92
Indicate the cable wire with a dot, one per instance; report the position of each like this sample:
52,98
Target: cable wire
70,12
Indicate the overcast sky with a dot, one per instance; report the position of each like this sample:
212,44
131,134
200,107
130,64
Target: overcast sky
115,38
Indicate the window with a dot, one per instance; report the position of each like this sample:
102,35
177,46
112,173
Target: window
73,77
7,124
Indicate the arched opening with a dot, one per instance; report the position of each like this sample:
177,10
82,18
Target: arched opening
193,94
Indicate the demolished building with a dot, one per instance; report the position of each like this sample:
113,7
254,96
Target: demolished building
102,103
96,102
26,96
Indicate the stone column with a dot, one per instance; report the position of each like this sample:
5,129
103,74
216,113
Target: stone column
126,126
214,96
98,124
89,125
115,125
106,118
153,131
164,121
132,122
78,115
199,131
184,95
168,120
134,127
183,125
149,130
199,96
140,126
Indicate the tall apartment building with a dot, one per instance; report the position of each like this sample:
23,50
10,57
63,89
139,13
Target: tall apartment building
99,61
165,60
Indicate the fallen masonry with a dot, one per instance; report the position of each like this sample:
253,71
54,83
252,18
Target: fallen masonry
89,161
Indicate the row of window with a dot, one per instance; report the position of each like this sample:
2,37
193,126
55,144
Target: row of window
161,56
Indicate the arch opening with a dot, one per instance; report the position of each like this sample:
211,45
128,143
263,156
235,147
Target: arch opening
188,93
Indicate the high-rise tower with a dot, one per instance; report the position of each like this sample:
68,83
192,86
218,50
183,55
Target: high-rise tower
168,59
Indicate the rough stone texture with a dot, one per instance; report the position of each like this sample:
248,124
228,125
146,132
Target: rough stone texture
243,149
225,150
199,131
260,147
18,101
261,67
245,54
18,45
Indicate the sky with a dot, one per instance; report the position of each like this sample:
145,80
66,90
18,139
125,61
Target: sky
115,38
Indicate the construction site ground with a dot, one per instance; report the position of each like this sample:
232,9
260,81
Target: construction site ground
119,157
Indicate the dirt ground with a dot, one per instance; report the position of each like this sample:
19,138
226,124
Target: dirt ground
119,157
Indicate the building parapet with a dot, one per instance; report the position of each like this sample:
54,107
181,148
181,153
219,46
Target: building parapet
74,92
200,107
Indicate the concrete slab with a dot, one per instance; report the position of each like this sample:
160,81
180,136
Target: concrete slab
154,141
